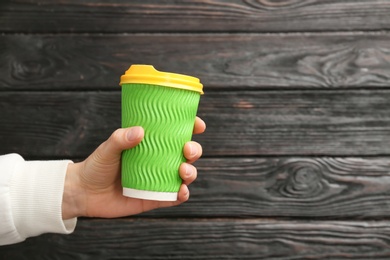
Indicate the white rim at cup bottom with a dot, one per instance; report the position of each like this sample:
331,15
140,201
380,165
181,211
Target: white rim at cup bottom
150,195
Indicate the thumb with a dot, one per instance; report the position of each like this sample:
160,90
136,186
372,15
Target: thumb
121,139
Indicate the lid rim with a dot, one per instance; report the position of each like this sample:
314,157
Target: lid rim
147,74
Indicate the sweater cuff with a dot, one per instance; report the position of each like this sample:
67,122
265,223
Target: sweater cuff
36,198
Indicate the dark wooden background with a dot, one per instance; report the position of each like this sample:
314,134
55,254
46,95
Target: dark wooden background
297,101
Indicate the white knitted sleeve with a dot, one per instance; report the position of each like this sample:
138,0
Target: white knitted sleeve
31,198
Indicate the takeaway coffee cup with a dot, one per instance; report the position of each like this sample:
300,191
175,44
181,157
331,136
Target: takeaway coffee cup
165,105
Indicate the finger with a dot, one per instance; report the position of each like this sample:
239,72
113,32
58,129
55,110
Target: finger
199,126
121,139
188,173
192,151
184,194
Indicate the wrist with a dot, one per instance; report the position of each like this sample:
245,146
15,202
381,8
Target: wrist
73,198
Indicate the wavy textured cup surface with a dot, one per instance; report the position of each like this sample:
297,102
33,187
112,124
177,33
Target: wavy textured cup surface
151,169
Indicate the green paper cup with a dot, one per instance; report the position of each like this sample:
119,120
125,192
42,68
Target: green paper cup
165,105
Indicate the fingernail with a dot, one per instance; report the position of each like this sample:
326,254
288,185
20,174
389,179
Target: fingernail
192,150
188,170
134,133
187,194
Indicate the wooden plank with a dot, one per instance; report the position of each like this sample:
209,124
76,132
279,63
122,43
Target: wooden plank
318,187
49,124
296,123
240,123
173,16
210,239
222,61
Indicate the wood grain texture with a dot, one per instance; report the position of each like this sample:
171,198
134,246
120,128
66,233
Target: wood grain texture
177,16
210,239
320,187
296,122
221,61
296,154
239,123
46,124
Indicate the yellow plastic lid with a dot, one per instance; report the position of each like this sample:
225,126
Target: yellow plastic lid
147,74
